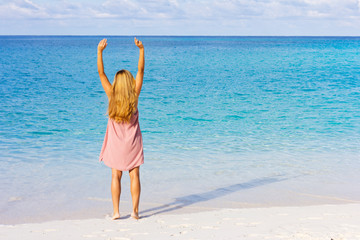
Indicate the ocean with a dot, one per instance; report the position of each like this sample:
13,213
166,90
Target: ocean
226,122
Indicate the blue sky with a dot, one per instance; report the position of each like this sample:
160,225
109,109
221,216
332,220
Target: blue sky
176,17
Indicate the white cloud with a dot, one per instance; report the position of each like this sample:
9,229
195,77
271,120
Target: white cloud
26,9
195,14
21,9
172,9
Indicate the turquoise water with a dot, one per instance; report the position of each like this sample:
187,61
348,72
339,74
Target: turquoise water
226,122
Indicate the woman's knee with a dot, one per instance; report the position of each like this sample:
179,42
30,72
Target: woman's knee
116,173
134,173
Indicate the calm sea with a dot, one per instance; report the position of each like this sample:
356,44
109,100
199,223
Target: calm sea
226,122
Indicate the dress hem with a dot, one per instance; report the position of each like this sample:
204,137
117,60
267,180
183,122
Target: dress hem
127,169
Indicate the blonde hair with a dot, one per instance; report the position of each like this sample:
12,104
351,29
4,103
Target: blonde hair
123,97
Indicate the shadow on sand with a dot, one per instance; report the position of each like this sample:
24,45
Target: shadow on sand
188,200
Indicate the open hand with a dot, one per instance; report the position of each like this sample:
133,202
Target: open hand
138,43
102,45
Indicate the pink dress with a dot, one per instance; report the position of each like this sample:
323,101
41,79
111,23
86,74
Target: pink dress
122,148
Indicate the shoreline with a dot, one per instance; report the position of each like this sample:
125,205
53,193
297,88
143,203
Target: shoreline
303,222
194,203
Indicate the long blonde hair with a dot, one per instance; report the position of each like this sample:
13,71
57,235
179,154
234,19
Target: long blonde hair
123,97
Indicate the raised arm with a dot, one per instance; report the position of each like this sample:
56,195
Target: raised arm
104,80
141,67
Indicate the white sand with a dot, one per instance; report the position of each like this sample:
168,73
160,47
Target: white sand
337,222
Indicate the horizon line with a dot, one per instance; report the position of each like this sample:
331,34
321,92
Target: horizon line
155,35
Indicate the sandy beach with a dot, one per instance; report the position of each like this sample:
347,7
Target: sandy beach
337,222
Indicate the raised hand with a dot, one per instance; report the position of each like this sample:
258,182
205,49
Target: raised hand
104,80
141,66
138,43
102,45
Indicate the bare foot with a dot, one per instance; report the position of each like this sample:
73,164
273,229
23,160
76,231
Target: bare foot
135,216
116,216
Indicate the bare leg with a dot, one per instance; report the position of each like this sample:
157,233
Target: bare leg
135,190
115,191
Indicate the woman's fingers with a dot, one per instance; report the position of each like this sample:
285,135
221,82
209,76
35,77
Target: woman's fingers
102,44
137,42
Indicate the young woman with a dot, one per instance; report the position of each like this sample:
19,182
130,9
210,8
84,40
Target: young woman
122,148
